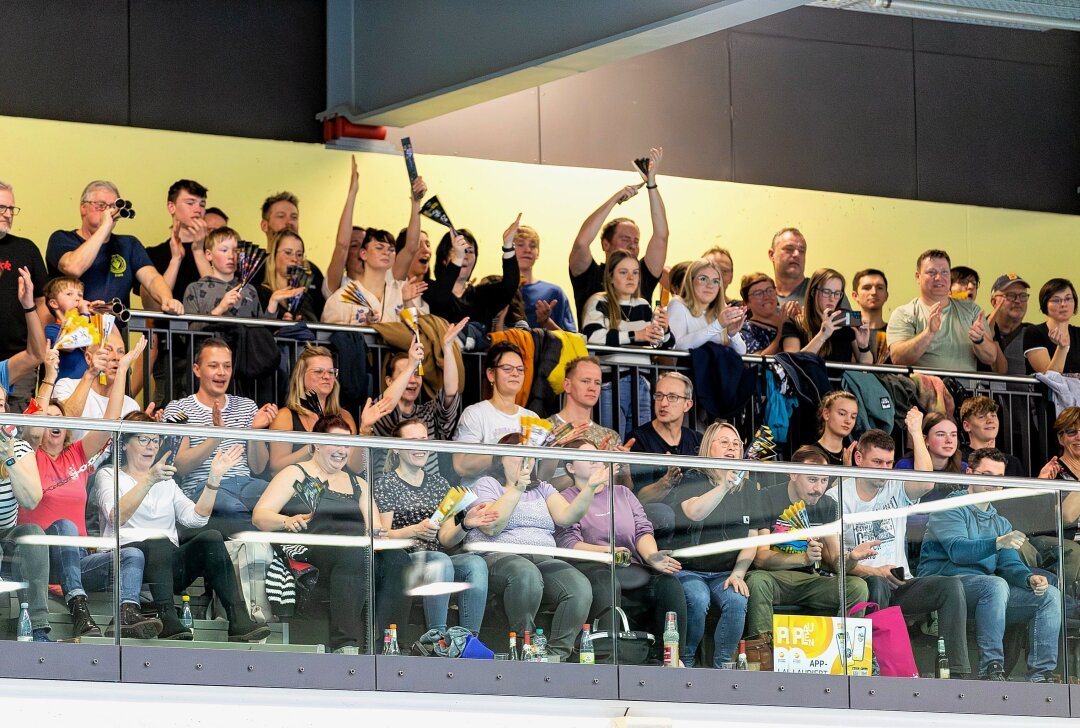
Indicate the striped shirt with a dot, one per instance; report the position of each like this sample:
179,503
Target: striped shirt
635,315
440,417
238,412
9,507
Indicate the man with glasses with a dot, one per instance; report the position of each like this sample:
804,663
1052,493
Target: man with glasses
887,574
16,253
791,573
1009,300
212,406
939,332
108,265
664,434
870,289
973,542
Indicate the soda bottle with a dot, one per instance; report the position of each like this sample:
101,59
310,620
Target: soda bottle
26,630
386,642
527,648
540,647
393,641
671,641
943,671
587,655
185,613
740,663
512,653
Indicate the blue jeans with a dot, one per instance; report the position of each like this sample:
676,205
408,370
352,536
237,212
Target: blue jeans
995,604
79,571
237,497
467,568
702,589
627,420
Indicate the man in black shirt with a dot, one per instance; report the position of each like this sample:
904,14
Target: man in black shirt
622,233
281,211
16,253
665,434
788,573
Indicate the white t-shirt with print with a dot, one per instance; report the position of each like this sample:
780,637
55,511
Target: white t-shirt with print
891,531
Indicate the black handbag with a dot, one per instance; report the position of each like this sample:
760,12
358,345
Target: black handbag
634,647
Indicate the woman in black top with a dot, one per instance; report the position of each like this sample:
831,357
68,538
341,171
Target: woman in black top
453,297
1054,345
820,328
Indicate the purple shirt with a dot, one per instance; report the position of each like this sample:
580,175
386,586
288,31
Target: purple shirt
631,522
529,525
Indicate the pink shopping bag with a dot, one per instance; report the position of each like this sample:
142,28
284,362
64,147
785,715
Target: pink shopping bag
892,646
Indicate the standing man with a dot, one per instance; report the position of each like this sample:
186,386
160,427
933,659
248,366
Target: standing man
870,289
1009,300
788,256
16,253
180,259
108,265
939,332
546,304
281,211
622,233
888,577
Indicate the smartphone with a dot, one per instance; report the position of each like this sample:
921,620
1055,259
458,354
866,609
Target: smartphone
898,572
852,319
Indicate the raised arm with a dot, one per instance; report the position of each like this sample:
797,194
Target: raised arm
580,254
906,348
656,252
76,262
407,254
566,514
336,270
96,440
451,376
27,360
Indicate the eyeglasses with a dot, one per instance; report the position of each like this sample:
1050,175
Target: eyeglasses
321,372
1061,300
510,369
98,205
1017,297
669,396
148,440
729,443
707,281
1071,432
762,293
4,209
829,293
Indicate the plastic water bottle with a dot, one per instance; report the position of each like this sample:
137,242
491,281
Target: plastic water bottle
540,647
394,650
527,654
386,642
587,654
26,630
185,613
671,641
512,653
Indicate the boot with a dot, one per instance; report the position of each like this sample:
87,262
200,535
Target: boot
171,626
82,624
242,628
134,624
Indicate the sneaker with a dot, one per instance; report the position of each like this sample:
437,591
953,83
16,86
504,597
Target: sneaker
995,672
82,624
134,624
1039,677
41,634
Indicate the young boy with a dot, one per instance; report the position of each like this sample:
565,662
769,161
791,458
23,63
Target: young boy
62,295
220,293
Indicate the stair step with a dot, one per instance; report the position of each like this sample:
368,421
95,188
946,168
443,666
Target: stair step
209,644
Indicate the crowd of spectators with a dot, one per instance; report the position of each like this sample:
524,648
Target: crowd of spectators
966,564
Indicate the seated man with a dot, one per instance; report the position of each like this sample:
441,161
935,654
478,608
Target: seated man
887,575
976,544
211,406
88,396
793,578
665,434
837,418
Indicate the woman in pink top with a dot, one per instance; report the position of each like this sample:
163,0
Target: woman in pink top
64,467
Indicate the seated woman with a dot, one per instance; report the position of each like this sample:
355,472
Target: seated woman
1054,345
151,506
649,578
407,496
64,467
700,314
761,330
320,496
708,505
820,328
285,251
528,513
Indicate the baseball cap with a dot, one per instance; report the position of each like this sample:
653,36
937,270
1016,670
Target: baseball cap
1006,280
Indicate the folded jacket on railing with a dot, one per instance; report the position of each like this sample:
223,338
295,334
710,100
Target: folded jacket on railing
432,331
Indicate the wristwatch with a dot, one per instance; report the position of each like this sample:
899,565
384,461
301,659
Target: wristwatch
459,520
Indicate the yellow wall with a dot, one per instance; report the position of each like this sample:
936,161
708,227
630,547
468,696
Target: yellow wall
49,163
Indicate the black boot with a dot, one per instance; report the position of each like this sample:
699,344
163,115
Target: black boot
82,624
171,626
242,628
134,624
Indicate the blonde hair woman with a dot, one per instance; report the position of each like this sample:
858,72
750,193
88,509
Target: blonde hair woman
700,314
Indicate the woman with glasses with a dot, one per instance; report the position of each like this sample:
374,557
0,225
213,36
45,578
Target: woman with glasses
822,327
150,507
284,255
710,507
1054,345
453,297
765,317
1066,466
64,467
701,315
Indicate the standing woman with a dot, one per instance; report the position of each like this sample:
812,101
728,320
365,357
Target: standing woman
320,496
820,328
286,250
700,314
1054,345
528,512
407,496
619,316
